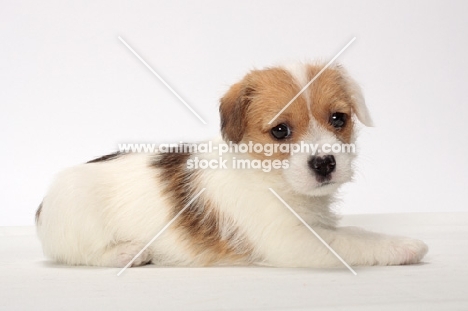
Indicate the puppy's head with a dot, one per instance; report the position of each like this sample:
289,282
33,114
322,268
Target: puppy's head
322,117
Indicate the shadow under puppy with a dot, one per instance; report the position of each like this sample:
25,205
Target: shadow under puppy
104,212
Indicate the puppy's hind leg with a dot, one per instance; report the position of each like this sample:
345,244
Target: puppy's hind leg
120,254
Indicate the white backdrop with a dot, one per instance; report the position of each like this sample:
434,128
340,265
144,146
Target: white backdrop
71,91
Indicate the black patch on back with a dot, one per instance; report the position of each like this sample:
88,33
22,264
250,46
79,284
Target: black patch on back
107,157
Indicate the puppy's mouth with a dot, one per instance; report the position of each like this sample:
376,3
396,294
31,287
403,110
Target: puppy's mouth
324,180
325,183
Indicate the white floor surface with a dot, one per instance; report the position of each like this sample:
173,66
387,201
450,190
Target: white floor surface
29,282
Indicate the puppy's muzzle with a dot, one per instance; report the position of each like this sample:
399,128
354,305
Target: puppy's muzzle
322,166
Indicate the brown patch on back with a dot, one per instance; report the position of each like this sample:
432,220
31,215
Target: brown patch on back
38,214
174,175
200,223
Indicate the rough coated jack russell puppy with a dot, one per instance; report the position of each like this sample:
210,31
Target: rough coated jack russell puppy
104,212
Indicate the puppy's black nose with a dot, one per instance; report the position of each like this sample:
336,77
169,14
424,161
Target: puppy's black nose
322,166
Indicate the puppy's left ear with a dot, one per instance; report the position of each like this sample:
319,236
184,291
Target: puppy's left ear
233,112
358,104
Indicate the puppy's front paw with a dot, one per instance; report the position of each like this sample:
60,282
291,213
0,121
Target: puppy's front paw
405,251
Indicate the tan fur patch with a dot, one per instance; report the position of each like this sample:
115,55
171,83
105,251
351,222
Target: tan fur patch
269,91
233,110
328,95
250,104
200,222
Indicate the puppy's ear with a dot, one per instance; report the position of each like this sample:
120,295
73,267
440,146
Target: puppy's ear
359,104
233,112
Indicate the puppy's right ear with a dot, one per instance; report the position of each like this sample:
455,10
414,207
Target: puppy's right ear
358,104
233,112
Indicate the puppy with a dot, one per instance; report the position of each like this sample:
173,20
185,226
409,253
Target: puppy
104,212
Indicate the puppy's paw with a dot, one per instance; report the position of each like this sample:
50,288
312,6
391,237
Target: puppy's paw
405,251
125,252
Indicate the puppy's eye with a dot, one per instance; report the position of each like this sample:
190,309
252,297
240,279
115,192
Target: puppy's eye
338,120
281,131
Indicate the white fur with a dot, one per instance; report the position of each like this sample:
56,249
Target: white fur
299,73
104,213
